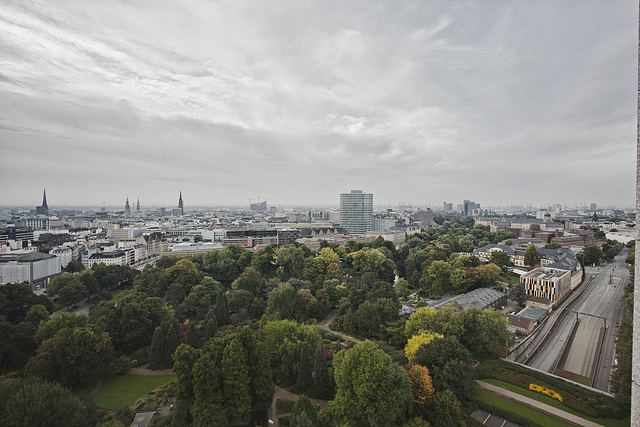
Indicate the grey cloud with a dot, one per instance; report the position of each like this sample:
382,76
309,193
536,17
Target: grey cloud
298,101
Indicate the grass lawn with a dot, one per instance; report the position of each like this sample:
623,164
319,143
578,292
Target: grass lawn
123,390
556,404
513,280
115,296
515,408
574,377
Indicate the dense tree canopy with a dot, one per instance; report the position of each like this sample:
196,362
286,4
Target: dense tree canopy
33,401
370,388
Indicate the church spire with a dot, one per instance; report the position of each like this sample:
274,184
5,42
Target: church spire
181,204
44,209
127,208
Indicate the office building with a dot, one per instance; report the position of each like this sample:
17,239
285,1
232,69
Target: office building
36,268
356,212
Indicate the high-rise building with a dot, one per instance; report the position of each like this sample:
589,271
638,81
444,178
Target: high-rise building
356,212
468,207
181,204
44,209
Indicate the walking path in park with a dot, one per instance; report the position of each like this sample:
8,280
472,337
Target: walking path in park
537,405
142,370
330,318
281,393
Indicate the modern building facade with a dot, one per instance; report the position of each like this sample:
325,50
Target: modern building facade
548,286
356,212
34,268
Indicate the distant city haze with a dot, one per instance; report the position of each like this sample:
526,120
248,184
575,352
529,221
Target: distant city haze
237,102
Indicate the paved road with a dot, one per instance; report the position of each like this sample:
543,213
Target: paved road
602,298
604,301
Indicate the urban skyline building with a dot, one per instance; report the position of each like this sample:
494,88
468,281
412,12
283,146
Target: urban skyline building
44,209
181,204
356,212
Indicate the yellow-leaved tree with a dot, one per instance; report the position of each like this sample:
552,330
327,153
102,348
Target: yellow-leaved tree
416,341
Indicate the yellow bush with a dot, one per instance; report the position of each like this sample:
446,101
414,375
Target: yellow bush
553,394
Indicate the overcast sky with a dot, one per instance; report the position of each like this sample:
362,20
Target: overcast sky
501,102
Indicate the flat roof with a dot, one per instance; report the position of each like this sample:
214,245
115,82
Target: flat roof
533,313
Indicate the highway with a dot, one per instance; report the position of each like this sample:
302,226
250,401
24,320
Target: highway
600,301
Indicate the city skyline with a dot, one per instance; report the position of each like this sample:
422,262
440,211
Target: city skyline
498,102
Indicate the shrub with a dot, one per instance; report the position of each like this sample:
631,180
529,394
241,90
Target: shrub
284,406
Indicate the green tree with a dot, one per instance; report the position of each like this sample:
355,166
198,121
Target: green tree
531,256
518,294
284,300
210,326
185,357
158,352
73,355
89,282
440,274
250,280
445,409
235,374
592,254
423,320
370,388
171,339
49,328
193,338
303,414
449,365
304,381
208,407
36,314
321,380
222,309
73,293
485,332
34,402
289,261
502,260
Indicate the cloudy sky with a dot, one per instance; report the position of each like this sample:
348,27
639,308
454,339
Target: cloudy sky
501,102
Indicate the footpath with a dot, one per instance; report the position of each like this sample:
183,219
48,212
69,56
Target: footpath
281,393
537,405
325,325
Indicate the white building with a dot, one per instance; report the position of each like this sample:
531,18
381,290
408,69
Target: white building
34,268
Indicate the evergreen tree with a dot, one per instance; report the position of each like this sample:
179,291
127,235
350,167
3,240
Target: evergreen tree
184,358
157,357
210,325
261,387
222,309
209,405
235,375
171,339
303,414
192,339
304,381
321,380
263,321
